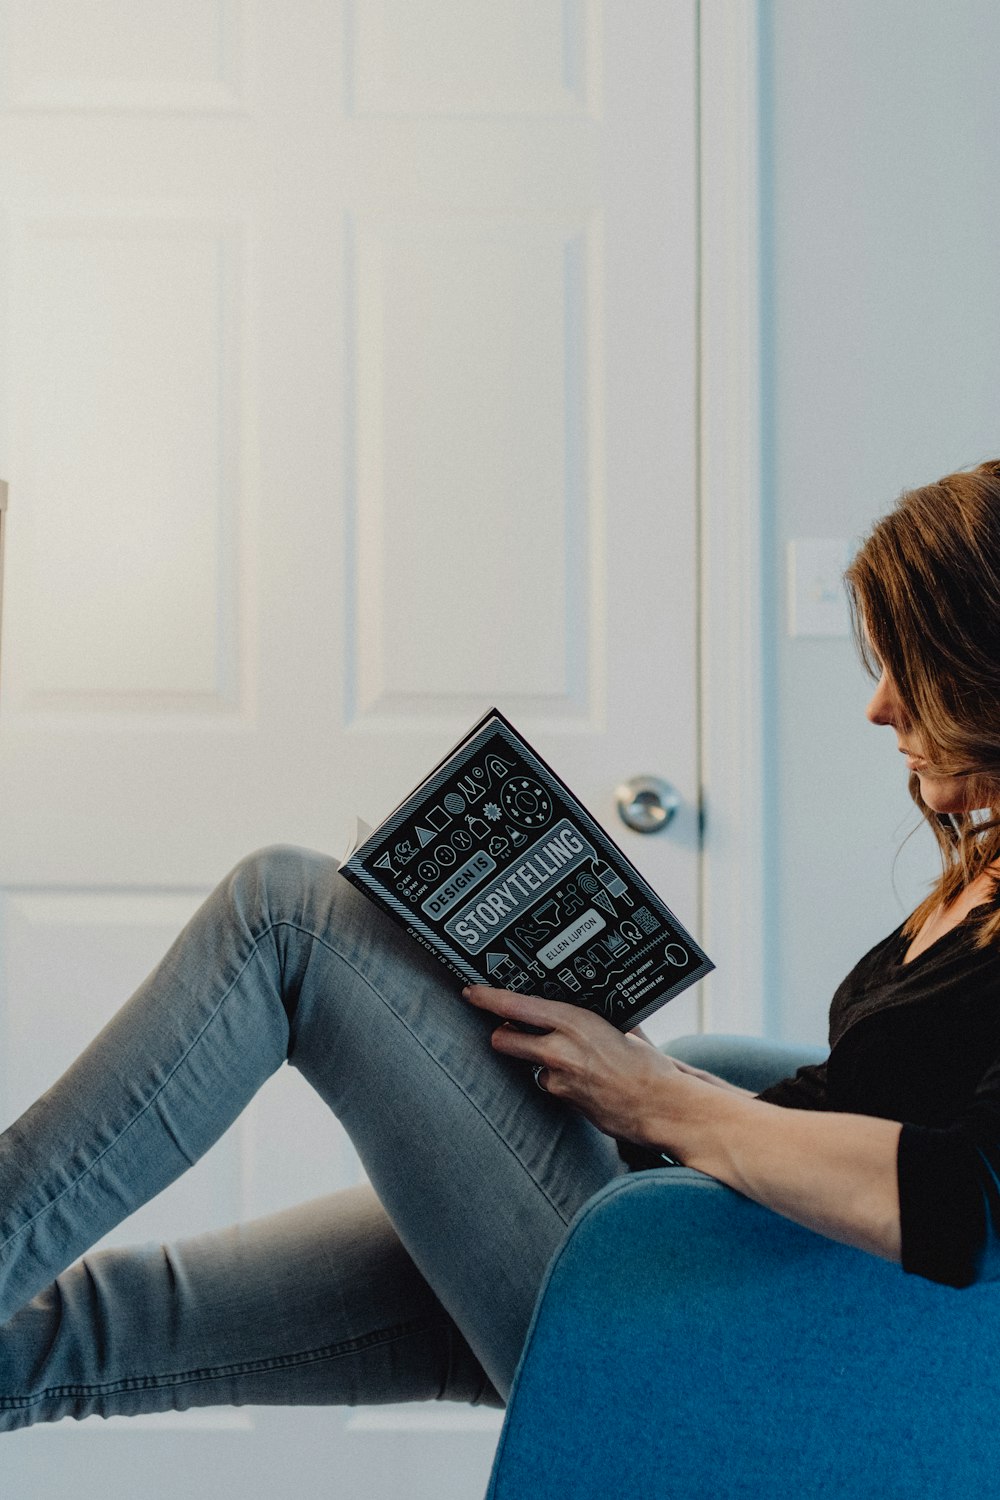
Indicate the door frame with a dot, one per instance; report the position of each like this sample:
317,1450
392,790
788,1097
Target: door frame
732,565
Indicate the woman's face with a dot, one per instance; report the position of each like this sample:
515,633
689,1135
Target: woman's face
943,794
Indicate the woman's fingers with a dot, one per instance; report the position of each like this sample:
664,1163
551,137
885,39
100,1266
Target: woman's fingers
556,1020
588,1062
537,1050
527,1008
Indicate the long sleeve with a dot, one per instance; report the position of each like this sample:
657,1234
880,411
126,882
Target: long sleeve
806,1090
918,1043
949,1193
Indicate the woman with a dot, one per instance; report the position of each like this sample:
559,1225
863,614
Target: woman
421,1285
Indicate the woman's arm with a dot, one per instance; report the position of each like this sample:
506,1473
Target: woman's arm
834,1173
713,1078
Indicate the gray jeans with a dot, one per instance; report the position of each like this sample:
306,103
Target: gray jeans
418,1287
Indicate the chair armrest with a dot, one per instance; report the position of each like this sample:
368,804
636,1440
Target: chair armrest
688,1343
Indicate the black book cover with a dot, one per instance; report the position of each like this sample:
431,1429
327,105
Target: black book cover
494,865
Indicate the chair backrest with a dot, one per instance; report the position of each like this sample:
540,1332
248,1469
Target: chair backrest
688,1343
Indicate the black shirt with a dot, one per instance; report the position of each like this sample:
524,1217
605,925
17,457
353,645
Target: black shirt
920,1043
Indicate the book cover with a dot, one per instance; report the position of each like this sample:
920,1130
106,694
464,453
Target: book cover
496,867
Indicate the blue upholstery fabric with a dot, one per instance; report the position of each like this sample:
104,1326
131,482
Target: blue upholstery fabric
689,1343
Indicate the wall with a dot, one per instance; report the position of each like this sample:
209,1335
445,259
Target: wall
881,370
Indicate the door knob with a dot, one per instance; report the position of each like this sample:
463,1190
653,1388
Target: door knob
646,803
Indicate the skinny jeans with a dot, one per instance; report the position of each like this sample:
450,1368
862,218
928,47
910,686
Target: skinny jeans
418,1285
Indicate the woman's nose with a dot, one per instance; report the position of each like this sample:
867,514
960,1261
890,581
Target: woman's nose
882,707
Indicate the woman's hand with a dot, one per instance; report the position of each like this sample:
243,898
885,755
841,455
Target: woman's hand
614,1080
834,1173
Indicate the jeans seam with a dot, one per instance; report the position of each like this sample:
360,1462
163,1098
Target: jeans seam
420,1043
5,1244
256,940
241,1367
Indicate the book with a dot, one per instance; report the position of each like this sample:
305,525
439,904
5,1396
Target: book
495,866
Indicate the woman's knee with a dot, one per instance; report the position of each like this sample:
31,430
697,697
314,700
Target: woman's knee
276,879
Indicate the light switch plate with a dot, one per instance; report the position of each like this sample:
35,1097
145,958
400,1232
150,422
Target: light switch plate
817,600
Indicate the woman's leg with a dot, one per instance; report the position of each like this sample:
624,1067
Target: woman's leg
317,1305
479,1171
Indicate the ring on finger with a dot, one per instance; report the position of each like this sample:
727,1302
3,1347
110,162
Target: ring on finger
538,1070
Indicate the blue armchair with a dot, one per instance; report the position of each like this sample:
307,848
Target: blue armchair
689,1344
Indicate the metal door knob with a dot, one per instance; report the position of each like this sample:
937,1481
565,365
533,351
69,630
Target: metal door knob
646,803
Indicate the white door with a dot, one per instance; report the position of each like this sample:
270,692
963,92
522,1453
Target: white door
347,387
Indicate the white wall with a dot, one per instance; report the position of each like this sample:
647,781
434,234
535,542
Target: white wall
881,319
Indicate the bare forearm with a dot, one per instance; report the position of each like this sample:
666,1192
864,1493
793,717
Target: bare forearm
834,1173
712,1078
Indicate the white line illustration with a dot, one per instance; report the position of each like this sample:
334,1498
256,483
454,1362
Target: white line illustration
548,914
498,767
615,884
500,967
529,934
526,959
590,885
526,802
600,954
571,899
598,957
468,787
601,898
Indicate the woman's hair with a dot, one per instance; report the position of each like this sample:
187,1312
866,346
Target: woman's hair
924,592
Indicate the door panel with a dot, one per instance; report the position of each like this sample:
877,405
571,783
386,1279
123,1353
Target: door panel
347,386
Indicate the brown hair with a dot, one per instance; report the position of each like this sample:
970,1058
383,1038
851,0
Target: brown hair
924,591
